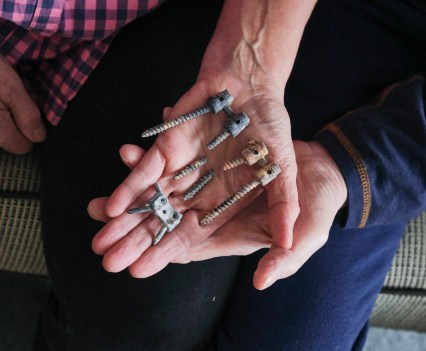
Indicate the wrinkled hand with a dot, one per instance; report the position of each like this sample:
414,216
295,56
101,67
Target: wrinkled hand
20,120
179,146
322,192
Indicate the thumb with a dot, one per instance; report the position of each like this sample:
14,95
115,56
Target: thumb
310,234
283,204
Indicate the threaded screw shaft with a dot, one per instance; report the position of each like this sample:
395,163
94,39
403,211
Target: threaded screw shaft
159,235
233,163
197,186
142,209
218,139
191,167
175,122
230,201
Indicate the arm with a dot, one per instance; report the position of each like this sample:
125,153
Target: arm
258,41
251,54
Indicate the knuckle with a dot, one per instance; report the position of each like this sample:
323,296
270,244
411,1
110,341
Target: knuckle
5,90
32,117
5,117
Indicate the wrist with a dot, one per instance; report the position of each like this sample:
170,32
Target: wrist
257,40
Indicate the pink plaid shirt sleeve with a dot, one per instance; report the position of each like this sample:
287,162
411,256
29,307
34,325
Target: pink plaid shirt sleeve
56,44
43,16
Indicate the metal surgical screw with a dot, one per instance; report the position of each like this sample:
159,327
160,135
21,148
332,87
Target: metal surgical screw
262,177
191,167
197,186
215,104
233,126
255,152
160,206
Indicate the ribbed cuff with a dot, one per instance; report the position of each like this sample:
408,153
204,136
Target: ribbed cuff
354,172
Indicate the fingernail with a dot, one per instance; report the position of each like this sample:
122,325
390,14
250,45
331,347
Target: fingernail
268,282
126,162
89,213
166,111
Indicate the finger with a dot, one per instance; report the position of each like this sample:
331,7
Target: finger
131,247
283,203
115,230
144,175
25,113
96,209
311,232
232,239
179,242
166,112
131,155
11,139
174,244
246,233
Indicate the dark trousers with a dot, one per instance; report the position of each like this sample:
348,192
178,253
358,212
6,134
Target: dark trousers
350,52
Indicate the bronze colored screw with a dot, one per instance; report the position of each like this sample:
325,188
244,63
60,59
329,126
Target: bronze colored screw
191,167
215,104
262,177
233,163
229,201
197,186
255,152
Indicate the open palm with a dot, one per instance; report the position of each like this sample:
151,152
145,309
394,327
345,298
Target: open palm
322,192
176,148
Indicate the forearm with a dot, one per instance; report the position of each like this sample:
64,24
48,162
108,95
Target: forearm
259,39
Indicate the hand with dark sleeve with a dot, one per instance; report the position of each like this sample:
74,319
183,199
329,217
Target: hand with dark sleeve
378,151
381,152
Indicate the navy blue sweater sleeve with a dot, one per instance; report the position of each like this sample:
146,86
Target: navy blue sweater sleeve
381,152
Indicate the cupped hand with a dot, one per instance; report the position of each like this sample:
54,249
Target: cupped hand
322,192
20,120
177,147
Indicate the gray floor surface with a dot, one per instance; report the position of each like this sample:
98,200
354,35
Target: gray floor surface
21,298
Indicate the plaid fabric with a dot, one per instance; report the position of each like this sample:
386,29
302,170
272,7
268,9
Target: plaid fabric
56,44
